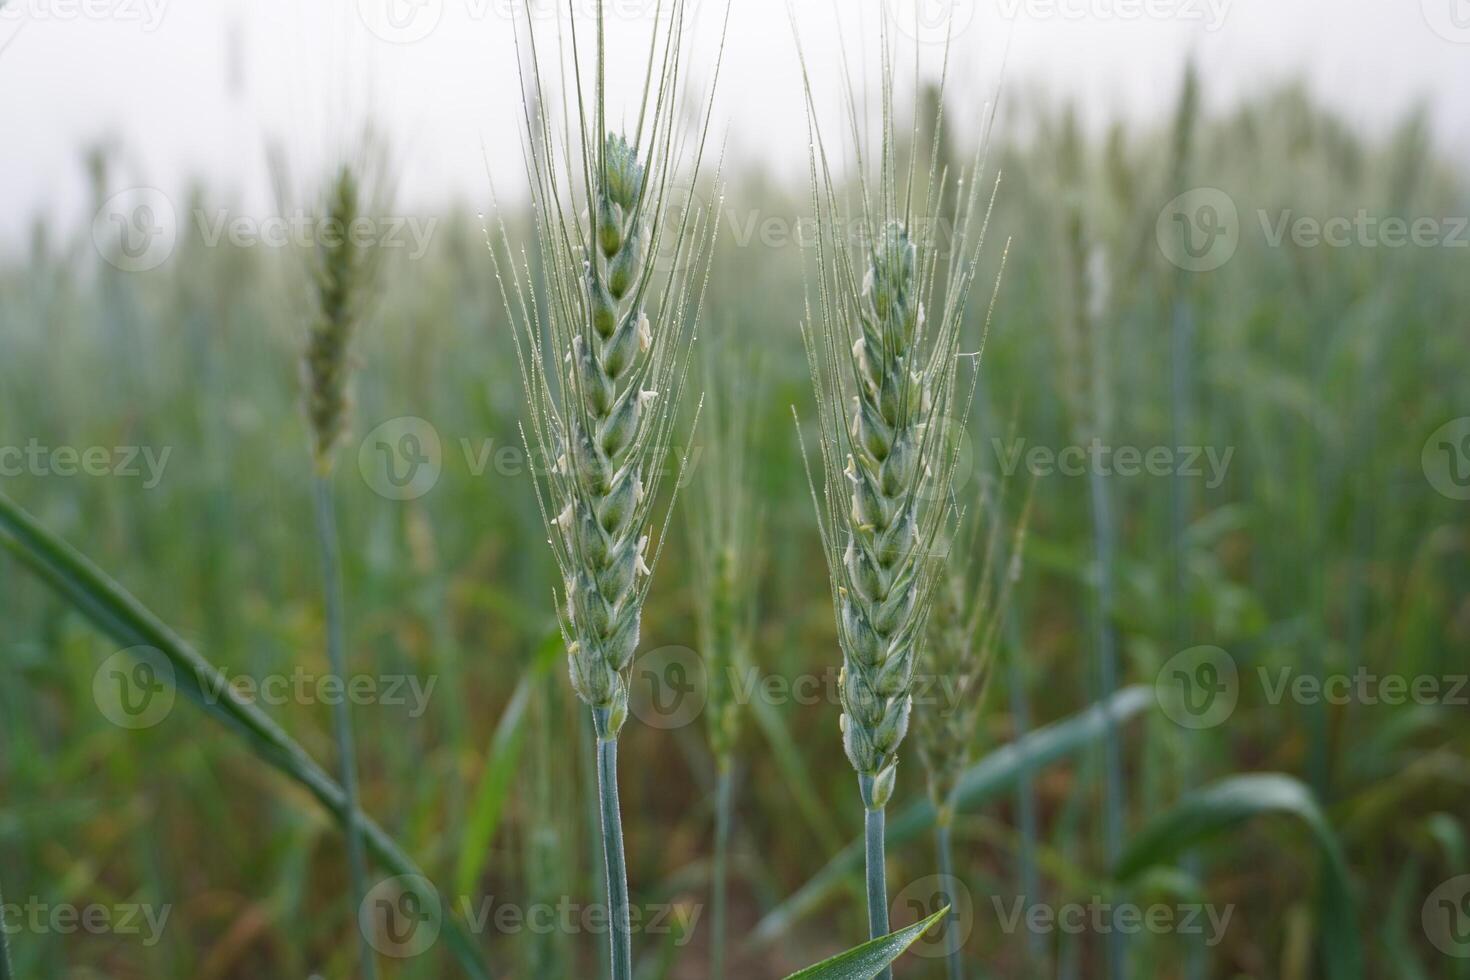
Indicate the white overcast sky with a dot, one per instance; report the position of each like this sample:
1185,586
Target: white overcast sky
198,88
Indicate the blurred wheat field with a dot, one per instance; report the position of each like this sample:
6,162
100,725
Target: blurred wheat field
1299,392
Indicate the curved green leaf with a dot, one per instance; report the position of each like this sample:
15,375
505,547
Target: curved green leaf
866,961
499,772
987,779
116,612
1222,807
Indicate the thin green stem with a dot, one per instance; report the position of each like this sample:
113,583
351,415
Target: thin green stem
326,528
620,923
724,806
1025,795
954,962
1107,667
873,826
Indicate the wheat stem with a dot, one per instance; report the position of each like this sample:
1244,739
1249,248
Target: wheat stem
944,847
1107,665
326,529
873,831
619,922
724,807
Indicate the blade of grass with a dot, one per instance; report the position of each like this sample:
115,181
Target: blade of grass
499,772
117,613
872,957
1221,807
993,775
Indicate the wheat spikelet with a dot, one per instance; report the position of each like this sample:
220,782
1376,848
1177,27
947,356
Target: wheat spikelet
963,634
604,353
340,278
883,347
883,351
724,525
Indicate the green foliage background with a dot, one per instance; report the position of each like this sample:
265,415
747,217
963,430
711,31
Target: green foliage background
1324,550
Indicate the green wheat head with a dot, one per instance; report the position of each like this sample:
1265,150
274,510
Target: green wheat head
341,277
604,339
884,347
724,525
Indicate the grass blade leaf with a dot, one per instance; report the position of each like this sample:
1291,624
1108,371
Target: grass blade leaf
866,961
117,613
1222,807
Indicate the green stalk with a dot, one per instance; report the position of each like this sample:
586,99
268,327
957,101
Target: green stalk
1107,664
873,820
954,962
326,529
1025,795
724,805
620,924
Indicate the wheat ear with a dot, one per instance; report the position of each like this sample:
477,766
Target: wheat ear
883,350
604,353
341,280
724,525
